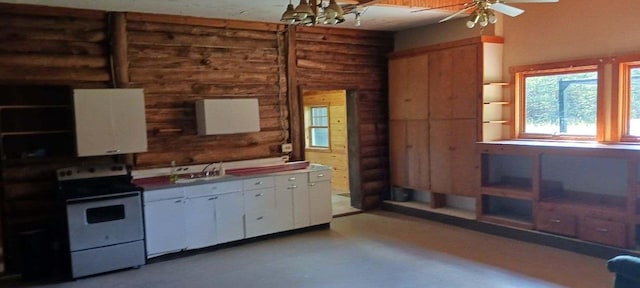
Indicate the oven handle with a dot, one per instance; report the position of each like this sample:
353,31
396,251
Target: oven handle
104,197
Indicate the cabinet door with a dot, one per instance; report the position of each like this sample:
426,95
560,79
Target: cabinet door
398,152
320,202
284,208
109,121
164,226
301,206
201,222
418,154
129,124
94,130
230,217
454,163
408,87
454,87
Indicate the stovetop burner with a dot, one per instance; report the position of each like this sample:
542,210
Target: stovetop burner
90,181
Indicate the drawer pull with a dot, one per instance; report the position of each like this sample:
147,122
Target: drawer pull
213,198
259,194
603,230
292,178
258,183
312,184
320,175
214,187
259,218
554,220
178,201
292,187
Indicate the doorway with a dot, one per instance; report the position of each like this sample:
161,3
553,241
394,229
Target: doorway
326,138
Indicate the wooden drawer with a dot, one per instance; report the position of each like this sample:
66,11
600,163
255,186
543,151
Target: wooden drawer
603,231
322,175
299,179
555,222
260,200
258,183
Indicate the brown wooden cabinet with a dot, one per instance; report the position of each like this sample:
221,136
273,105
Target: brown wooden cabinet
583,190
408,87
409,151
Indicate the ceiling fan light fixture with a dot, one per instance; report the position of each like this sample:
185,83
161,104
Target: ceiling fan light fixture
303,10
492,17
473,20
484,20
289,16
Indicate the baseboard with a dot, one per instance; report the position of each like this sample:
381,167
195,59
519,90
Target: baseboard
531,236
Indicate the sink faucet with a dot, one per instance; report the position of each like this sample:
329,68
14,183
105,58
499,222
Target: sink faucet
216,171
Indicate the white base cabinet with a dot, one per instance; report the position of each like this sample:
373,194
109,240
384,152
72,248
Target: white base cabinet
204,215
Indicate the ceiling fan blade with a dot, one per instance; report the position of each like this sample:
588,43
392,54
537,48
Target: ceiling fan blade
506,9
529,1
455,14
440,7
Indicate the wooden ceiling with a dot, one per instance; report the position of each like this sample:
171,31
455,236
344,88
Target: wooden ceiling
451,4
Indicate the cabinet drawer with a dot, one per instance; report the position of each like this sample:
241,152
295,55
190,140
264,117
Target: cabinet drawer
603,231
163,194
213,189
260,200
299,179
555,222
322,175
258,183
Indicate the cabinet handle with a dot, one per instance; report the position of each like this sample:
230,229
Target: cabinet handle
554,220
292,187
214,187
258,183
213,198
178,201
112,151
603,230
292,178
259,218
312,184
259,194
320,175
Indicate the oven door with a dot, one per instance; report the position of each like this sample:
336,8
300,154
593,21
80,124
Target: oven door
103,221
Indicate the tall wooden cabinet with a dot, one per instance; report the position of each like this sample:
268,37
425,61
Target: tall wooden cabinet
436,112
409,121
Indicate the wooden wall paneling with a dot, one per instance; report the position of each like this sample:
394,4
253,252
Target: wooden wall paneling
322,67
180,60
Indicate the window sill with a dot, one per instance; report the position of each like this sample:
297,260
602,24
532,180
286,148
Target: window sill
321,150
556,144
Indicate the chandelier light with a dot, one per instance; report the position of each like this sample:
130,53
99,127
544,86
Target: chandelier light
314,12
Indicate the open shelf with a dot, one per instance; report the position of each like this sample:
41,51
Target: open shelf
450,211
506,210
586,200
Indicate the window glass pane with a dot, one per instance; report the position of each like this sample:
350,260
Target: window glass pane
319,116
320,137
634,102
561,103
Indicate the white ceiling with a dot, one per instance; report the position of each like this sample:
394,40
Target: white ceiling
374,17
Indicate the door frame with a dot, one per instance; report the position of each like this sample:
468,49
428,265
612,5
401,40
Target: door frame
296,117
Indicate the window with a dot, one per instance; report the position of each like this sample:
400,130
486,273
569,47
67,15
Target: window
319,128
630,74
559,103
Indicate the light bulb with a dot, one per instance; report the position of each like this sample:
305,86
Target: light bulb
358,20
492,17
483,20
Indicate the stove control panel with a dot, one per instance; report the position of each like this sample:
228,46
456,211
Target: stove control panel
84,172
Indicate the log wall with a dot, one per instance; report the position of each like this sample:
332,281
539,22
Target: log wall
356,61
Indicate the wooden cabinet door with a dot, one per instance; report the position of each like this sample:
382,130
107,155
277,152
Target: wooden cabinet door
454,163
454,87
417,155
409,87
398,152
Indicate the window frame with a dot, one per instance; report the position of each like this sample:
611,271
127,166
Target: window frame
519,74
622,97
311,127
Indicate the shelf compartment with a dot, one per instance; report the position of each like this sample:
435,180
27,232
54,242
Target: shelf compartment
36,119
585,200
34,95
509,211
503,172
38,146
505,191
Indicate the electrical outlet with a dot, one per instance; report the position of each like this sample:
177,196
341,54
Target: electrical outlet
287,147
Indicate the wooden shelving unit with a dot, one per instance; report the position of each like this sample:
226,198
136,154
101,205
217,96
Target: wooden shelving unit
586,191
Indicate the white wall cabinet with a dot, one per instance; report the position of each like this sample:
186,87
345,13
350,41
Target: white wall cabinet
204,215
109,121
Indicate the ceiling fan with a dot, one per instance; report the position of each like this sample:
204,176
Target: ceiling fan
483,10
